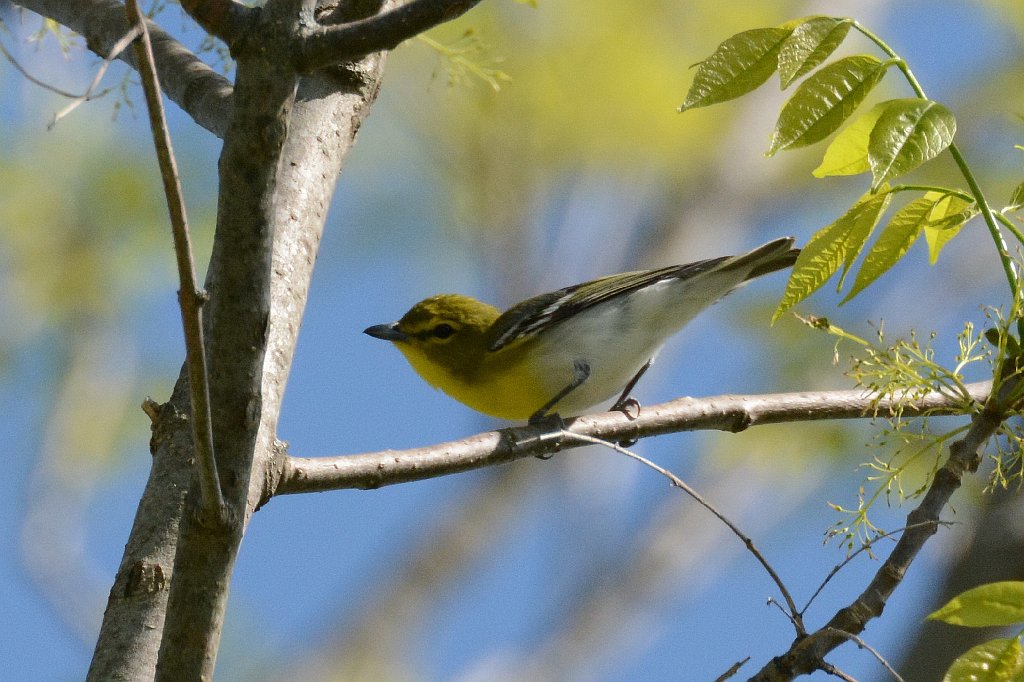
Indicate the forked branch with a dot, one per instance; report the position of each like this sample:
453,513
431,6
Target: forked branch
808,654
330,45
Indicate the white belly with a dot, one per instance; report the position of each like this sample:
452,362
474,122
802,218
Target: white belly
615,341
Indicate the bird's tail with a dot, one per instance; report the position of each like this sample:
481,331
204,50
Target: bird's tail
777,254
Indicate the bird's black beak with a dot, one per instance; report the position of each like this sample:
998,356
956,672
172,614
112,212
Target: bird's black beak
387,332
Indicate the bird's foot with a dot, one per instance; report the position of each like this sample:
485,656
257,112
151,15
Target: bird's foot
630,407
551,426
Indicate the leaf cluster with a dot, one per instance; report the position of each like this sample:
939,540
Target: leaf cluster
466,59
889,140
899,374
996,604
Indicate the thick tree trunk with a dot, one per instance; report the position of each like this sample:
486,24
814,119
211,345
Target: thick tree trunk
322,128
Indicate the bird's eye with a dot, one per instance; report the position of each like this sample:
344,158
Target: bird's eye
442,331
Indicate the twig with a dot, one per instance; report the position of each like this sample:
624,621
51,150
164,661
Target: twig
119,47
864,645
201,92
189,296
685,487
733,669
842,564
772,601
836,672
32,79
89,93
808,654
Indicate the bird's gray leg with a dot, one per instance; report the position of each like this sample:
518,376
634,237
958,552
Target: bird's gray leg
580,373
626,403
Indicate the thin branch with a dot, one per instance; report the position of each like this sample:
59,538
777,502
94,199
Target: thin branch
732,413
188,81
322,46
864,645
735,668
189,295
237,321
225,19
794,616
32,79
115,52
836,672
808,654
853,555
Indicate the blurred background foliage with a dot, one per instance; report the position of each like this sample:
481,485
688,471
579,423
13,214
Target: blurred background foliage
576,165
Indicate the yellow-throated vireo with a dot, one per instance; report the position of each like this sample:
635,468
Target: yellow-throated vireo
570,349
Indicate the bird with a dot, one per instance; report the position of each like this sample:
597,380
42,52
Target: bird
563,352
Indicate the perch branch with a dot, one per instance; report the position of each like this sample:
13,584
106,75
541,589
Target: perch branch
724,413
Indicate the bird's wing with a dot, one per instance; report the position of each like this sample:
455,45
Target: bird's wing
537,313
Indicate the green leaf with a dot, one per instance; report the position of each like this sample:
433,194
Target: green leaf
740,64
908,133
896,239
949,214
826,99
847,154
810,44
1000,603
1017,198
998,660
832,247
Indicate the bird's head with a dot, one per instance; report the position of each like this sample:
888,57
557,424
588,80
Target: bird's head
443,337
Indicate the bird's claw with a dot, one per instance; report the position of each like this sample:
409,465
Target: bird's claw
552,427
628,406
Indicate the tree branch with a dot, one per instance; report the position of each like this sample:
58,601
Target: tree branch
237,319
808,654
323,46
225,19
190,298
321,131
188,81
864,645
725,413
